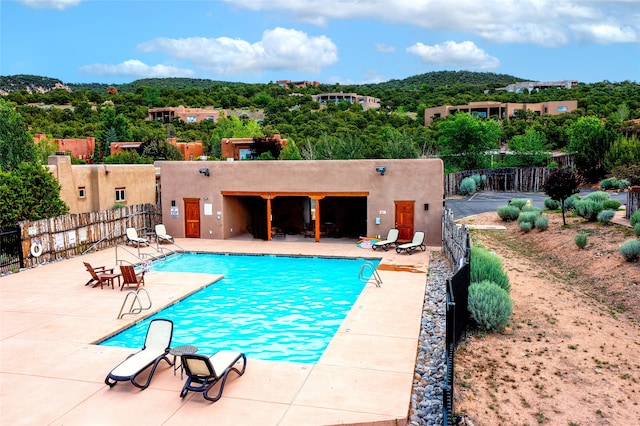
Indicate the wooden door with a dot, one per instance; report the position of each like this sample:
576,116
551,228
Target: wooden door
404,219
192,217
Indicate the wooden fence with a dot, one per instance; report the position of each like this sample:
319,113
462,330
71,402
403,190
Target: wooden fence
633,200
516,179
456,242
69,235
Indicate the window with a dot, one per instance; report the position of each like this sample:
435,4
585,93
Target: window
120,194
191,119
82,193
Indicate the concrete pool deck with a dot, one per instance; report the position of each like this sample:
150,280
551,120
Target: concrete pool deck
52,373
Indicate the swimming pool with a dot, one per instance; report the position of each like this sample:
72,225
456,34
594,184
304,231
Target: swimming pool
269,307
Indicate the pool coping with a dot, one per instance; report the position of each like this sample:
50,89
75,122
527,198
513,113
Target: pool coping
48,317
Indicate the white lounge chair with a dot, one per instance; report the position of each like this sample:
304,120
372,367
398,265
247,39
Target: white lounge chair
132,237
391,239
161,234
203,372
418,241
157,344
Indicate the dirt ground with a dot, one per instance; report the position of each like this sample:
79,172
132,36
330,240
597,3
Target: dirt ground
571,355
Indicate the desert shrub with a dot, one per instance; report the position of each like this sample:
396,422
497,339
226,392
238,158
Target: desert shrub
605,216
467,186
551,204
588,209
623,184
581,239
611,204
525,226
541,223
528,217
570,203
490,305
519,202
488,266
508,213
636,229
630,250
597,196
609,183
635,218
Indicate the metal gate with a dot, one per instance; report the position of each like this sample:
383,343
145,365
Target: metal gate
11,259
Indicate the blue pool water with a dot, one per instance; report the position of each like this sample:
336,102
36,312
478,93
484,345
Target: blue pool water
269,307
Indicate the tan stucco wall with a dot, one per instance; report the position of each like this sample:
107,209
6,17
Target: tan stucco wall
418,180
100,182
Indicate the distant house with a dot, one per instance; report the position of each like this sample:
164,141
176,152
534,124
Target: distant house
188,115
299,84
190,150
538,85
81,149
486,109
367,102
240,148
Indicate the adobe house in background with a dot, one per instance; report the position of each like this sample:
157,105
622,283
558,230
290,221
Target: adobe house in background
321,199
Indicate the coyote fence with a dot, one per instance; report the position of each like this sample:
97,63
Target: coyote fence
516,179
69,235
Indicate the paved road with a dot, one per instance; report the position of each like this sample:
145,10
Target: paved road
483,202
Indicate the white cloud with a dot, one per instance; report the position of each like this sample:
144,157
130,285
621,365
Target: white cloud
465,55
384,48
50,4
136,68
279,49
542,22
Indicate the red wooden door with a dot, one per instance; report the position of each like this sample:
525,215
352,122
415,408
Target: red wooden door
404,219
192,217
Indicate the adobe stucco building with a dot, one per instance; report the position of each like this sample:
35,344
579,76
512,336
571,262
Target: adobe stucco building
322,199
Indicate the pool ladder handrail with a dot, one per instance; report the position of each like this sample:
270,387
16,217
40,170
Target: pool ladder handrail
368,266
135,295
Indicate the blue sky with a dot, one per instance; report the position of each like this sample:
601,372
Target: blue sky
331,41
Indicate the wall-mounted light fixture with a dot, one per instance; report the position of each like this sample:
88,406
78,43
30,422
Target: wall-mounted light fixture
381,170
426,206
204,171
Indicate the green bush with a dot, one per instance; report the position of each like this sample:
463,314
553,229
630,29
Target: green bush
551,204
598,196
581,239
488,266
525,226
542,223
630,250
635,218
508,213
610,183
478,179
490,305
611,204
605,216
636,229
588,209
467,186
519,202
528,217
623,184
570,203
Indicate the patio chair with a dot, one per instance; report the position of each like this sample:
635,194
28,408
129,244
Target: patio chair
132,237
203,373
101,275
130,278
161,234
156,347
410,248
385,244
